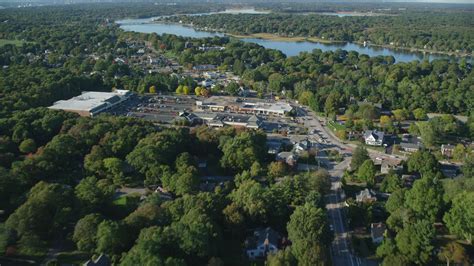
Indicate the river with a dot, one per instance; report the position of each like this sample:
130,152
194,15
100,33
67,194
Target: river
289,48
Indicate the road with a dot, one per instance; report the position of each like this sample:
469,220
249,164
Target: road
311,121
340,248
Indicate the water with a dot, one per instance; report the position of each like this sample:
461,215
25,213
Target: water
289,48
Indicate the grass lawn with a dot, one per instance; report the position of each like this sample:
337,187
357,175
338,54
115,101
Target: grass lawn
120,201
14,42
335,126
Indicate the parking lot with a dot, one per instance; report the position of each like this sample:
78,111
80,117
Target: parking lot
157,108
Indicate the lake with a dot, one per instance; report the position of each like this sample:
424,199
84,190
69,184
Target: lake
289,48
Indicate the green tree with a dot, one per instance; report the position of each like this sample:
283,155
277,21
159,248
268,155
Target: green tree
196,233
460,218
186,90
179,89
277,169
419,114
391,183
366,172
359,156
27,146
415,241
197,91
93,193
85,232
252,198
112,237
46,210
459,152
309,233
282,258
425,199
468,167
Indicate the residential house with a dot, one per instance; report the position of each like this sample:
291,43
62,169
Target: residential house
447,150
377,231
288,157
102,260
410,144
366,195
374,137
303,145
207,83
264,241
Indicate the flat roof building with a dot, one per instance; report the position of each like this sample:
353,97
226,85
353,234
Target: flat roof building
246,106
91,103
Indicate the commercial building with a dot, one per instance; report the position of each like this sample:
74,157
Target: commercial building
91,103
222,119
244,106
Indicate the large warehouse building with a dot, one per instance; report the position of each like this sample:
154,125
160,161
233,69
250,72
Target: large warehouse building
91,103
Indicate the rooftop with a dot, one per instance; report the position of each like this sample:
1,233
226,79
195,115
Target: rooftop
90,101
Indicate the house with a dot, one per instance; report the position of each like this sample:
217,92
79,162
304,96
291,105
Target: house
447,150
366,195
264,241
410,147
207,83
288,157
303,145
102,260
374,137
377,231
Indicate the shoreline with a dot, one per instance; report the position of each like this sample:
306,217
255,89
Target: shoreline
274,37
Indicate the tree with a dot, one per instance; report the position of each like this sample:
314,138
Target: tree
386,122
366,172
256,169
152,89
232,88
359,156
391,182
423,162
252,198
281,258
415,241
468,167
197,91
27,146
309,233
151,243
240,152
85,232
419,114
179,89
331,104
93,193
425,199
460,218
196,233
115,170
46,210
400,114
186,90
453,252
459,152
427,134
112,237
277,169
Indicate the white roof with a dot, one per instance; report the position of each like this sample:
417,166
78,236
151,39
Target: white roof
87,101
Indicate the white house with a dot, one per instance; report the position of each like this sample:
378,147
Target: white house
373,137
263,242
